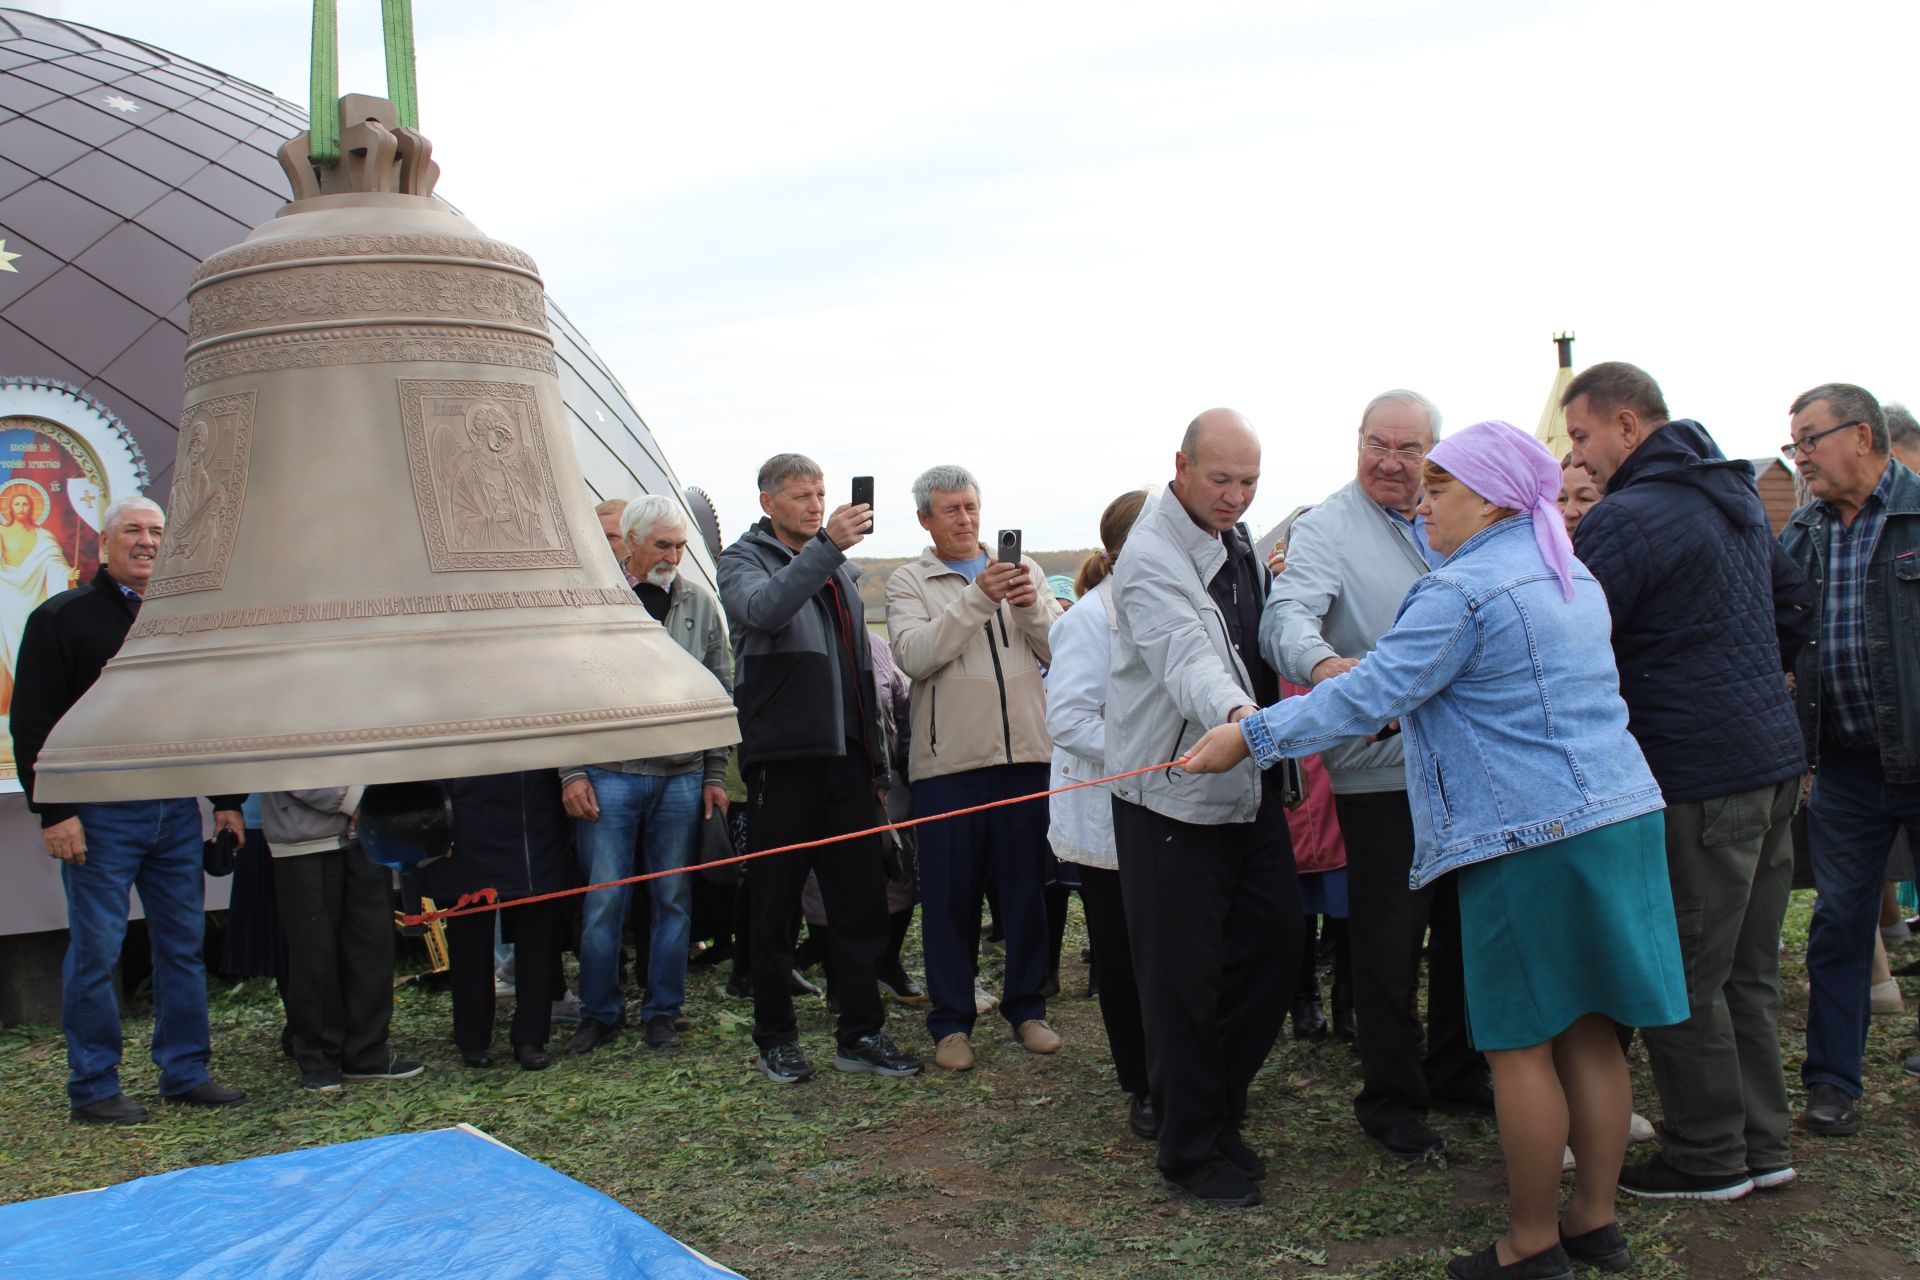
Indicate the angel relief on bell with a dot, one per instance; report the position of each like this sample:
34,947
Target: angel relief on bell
481,477
209,486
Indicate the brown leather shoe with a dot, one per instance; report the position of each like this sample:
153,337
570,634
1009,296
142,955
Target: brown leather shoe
954,1053
1036,1036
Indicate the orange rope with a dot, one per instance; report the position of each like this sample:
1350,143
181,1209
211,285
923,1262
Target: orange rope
488,900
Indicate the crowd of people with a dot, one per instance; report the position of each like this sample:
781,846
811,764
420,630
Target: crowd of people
1479,715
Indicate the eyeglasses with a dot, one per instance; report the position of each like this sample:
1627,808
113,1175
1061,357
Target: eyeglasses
1412,457
1794,448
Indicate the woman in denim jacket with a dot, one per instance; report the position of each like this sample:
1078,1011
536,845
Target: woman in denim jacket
1499,672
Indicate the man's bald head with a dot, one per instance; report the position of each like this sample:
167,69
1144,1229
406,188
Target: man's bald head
1217,469
1216,427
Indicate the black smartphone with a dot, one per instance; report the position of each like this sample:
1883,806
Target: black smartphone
863,494
1009,546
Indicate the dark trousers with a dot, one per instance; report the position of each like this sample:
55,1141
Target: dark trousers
534,931
1101,895
1387,922
1214,914
336,909
957,857
1852,817
793,801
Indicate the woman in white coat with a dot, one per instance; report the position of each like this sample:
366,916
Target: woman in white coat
1081,828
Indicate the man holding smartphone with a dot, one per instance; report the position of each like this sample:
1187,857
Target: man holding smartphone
970,629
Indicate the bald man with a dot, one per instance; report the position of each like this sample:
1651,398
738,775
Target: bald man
1206,865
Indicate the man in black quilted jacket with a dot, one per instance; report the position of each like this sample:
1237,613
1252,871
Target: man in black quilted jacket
1707,614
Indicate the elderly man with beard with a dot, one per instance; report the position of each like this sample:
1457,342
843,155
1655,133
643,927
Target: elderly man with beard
1206,864
658,802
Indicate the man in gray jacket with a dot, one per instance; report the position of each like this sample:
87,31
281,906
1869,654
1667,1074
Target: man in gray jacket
336,908
657,803
1350,562
1206,863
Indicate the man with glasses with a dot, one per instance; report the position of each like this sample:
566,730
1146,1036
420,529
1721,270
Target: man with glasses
1857,684
1350,562
1707,614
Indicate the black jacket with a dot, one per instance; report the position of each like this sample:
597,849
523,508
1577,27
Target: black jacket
66,641
510,833
786,673
1708,614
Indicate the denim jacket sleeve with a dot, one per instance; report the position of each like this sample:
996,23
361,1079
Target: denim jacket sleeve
1433,641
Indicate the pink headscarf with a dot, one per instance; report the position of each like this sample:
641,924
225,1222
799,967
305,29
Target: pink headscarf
1509,468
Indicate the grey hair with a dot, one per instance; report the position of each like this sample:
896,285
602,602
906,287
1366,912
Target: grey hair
946,478
649,510
782,467
1400,395
1848,403
1901,428
124,505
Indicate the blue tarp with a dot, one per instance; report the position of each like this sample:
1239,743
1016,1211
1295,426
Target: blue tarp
449,1203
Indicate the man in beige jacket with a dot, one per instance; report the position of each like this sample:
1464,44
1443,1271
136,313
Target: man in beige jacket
971,632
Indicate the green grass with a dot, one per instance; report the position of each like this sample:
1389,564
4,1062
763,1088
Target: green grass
1022,1167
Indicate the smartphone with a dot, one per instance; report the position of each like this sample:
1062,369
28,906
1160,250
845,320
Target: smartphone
1009,546
863,494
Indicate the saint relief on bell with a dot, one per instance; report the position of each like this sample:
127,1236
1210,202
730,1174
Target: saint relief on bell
481,477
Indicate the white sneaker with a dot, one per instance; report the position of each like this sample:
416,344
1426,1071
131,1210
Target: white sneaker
983,1001
1639,1129
1886,997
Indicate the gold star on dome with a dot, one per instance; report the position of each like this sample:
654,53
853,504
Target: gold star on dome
6,259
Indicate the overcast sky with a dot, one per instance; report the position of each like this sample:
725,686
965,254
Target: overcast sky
1037,238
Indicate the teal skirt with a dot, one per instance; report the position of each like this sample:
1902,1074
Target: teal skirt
1583,925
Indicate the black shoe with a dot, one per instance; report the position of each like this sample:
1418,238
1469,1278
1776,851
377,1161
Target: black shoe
208,1095
1602,1247
1241,1156
900,985
1772,1177
1411,1138
876,1055
1140,1118
1050,989
1553,1264
785,1064
1217,1182
1309,1023
1912,1066
326,1080
740,986
660,1032
532,1057
1477,1098
1346,1024
798,985
478,1059
1655,1179
119,1109
590,1035
396,1069
1829,1111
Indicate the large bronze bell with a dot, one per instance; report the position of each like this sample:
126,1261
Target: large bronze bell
381,563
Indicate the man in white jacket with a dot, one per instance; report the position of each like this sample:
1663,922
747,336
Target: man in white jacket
1206,863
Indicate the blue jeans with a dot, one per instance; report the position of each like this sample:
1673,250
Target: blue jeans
152,846
661,815
1852,817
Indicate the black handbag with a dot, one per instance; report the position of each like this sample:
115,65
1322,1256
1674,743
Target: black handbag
216,855
716,844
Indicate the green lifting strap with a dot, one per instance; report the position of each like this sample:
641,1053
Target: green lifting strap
323,115
396,16
323,106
